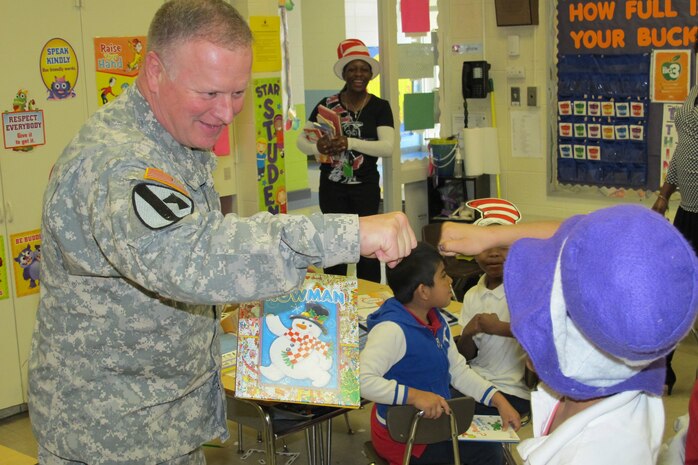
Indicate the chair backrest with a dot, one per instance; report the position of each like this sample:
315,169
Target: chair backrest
431,233
430,431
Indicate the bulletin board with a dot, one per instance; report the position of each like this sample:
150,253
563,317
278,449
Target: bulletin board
602,119
609,128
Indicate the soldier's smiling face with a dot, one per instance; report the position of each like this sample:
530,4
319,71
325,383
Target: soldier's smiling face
199,87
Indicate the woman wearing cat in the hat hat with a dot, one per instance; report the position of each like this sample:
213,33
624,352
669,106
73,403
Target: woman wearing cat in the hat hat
597,302
349,178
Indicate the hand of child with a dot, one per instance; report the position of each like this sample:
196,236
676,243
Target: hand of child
432,404
488,322
473,327
510,417
491,324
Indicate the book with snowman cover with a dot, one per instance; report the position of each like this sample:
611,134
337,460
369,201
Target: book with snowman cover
302,347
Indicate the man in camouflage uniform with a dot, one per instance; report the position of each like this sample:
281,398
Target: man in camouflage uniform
125,358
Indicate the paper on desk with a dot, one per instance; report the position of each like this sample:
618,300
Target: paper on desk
370,302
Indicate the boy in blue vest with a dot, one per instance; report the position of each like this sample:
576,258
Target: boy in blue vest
410,358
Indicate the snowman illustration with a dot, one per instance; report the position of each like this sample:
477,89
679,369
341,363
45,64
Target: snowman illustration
298,352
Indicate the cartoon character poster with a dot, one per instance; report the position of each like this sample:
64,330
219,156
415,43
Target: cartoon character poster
301,347
269,145
23,126
118,61
59,69
26,255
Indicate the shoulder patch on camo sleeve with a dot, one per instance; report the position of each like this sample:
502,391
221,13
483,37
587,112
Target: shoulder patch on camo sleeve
160,206
160,176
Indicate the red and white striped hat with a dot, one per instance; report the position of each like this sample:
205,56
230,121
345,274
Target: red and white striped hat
494,211
354,49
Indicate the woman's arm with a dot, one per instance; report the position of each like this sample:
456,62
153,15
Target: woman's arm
661,205
383,147
662,202
304,145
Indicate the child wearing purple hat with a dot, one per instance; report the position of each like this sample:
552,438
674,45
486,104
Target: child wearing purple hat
596,302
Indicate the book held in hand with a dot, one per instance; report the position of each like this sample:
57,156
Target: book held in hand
327,116
313,132
301,347
488,428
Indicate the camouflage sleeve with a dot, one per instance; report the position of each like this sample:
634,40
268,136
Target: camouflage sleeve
206,257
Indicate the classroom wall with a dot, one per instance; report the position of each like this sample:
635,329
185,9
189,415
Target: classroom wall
525,181
247,198
528,182
296,161
323,29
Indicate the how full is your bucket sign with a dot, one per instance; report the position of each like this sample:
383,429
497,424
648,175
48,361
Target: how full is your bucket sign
642,26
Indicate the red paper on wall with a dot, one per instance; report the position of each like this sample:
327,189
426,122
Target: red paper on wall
415,15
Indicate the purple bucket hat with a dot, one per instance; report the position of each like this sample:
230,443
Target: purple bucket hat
599,304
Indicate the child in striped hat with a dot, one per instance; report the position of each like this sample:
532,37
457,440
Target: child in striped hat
486,340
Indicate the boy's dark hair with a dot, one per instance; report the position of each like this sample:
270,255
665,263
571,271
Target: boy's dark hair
417,268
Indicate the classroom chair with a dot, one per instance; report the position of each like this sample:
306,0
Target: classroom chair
405,425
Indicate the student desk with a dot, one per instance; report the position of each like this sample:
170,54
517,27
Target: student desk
318,429
367,287
257,415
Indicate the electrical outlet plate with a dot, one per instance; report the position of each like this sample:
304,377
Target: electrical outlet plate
515,96
532,96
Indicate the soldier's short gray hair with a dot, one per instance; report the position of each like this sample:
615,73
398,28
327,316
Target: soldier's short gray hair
179,21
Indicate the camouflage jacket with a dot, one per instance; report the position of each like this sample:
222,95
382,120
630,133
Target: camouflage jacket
125,357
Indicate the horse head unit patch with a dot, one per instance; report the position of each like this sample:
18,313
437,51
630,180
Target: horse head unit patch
160,206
